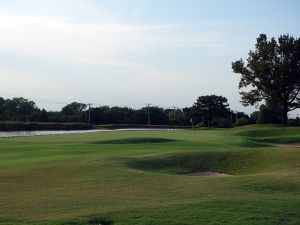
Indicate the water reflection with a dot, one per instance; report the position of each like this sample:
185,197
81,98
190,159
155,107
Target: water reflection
41,133
52,132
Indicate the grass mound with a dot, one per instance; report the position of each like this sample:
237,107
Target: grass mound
237,162
140,140
269,133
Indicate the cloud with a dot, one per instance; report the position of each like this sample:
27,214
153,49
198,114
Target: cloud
23,81
102,44
104,49
62,37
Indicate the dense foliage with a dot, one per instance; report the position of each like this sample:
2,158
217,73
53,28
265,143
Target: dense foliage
272,73
211,110
207,111
23,110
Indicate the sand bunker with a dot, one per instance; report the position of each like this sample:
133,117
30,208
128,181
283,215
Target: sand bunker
207,174
288,145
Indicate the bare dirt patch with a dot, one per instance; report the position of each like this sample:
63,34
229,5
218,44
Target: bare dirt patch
287,145
208,174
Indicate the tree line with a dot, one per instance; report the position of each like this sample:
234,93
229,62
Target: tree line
207,111
24,110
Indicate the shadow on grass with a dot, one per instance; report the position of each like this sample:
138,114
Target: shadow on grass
100,221
234,163
93,221
141,140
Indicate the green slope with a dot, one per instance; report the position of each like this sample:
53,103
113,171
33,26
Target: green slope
136,177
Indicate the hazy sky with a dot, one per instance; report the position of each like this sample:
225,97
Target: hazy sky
132,52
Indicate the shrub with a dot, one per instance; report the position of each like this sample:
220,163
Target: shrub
241,122
200,124
221,123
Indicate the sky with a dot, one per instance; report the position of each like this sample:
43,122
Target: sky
132,52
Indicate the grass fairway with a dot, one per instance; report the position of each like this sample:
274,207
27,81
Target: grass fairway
137,177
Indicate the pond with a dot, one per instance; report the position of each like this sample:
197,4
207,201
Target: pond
52,132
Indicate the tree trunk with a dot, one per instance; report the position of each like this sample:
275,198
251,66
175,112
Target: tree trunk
284,118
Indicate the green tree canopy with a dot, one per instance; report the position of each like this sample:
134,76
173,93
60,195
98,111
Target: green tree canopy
19,108
73,108
209,107
272,73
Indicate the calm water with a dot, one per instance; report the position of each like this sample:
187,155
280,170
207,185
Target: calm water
52,132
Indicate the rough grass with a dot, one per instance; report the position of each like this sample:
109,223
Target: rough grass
130,178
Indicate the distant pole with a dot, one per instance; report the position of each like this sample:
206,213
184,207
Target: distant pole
89,113
231,118
236,116
148,106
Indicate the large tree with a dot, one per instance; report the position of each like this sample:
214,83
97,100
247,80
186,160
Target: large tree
210,107
19,109
74,108
272,74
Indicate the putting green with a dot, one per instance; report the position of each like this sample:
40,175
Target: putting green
135,177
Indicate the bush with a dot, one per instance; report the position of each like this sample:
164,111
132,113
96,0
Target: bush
241,122
200,125
221,123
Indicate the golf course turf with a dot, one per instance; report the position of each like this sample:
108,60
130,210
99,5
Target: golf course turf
144,177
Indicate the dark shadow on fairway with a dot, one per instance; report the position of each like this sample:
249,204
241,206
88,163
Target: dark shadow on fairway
93,221
141,140
230,163
100,221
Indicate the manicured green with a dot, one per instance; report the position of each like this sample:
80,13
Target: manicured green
137,177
